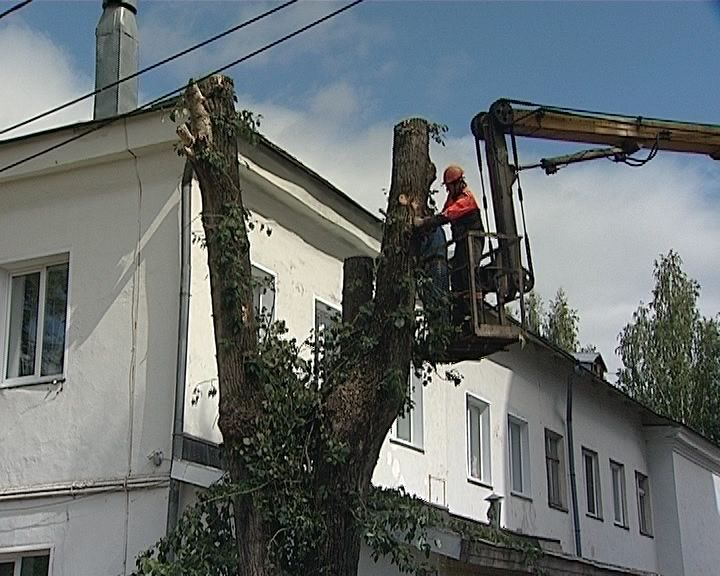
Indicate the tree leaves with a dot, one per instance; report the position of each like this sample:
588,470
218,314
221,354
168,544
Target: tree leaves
671,356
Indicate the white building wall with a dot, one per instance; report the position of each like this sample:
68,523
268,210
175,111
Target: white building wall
529,384
665,503
302,273
119,222
98,533
698,497
119,227
116,213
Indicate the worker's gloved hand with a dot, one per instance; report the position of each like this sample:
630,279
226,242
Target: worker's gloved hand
429,222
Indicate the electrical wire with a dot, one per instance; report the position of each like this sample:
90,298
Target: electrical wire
167,95
14,8
149,68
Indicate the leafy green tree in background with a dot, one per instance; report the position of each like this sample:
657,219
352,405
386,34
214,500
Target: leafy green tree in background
671,355
534,312
558,324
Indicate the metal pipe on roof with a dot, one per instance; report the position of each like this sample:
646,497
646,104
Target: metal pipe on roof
116,57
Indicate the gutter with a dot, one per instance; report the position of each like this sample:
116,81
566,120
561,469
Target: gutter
571,462
182,349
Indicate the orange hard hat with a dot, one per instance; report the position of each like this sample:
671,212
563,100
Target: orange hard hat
452,174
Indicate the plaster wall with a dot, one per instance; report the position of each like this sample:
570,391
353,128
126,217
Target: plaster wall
665,503
86,534
698,497
119,224
530,386
603,424
302,273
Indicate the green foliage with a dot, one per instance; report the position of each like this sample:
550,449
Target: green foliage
558,324
395,525
202,544
561,323
437,132
671,355
534,312
281,460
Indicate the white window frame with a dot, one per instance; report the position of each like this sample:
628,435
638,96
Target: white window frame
523,457
19,552
560,473
644,511
7,273
414,415
617,479
596,496
266,271
475,404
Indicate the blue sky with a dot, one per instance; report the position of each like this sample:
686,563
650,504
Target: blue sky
332,96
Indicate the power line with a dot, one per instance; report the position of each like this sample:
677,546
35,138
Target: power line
180,89
16,7
148,68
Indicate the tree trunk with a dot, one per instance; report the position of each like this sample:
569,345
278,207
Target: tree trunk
211,148
360,409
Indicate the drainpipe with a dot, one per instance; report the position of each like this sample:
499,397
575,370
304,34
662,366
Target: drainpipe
571,463
182,349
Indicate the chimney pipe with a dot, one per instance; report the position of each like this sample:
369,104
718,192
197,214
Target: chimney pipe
116,57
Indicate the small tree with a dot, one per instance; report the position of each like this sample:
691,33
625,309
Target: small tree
561,323
670,354
534,312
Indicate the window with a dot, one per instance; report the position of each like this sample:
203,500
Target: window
326,317
478,439
519,453
263,296
32,563
409,426
36,318
555,467
619,498
592,483
643,499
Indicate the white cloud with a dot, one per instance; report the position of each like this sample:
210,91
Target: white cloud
165,32
37,75
595,229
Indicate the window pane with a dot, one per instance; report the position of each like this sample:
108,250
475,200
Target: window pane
263,295
553,483
22,337
474,433
35,565
516,456
590,483
7,568
404,425
55,313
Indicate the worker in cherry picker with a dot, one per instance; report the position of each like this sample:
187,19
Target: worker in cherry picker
462,212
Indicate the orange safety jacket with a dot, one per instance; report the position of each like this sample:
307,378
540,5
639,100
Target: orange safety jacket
463,213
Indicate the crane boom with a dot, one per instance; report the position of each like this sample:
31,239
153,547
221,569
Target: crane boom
611,130
505,274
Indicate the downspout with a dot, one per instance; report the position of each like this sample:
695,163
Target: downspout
571,463
182,348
